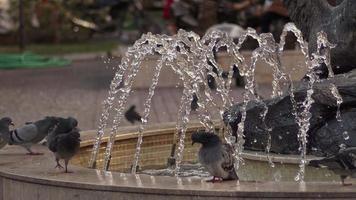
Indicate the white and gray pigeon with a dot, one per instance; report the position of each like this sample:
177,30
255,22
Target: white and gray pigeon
5,124
343,164
64,145
215,156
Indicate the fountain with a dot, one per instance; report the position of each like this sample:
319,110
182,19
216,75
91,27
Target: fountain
273,139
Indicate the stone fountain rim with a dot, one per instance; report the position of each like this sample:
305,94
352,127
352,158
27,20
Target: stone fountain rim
44,174
17,166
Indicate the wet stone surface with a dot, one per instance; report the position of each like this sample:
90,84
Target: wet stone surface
325,133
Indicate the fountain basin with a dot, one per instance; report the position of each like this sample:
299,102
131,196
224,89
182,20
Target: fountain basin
292,59
34,177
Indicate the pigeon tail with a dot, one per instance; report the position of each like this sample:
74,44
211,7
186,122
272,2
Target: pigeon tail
232,176
315,163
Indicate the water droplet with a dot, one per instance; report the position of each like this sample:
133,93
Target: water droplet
297,178
342,146
327,174
346,136
277,176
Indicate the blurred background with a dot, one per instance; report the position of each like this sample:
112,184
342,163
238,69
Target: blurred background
57,57
106,22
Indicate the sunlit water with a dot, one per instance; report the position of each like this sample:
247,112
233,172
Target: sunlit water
192,58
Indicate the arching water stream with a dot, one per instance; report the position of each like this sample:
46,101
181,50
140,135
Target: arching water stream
192,59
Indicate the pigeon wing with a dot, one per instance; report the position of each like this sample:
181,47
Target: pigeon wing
345,159
228,158
25,134
53,144
348,157
331,163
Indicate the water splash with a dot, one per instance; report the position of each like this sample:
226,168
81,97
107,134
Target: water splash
193,59
146,113
338,98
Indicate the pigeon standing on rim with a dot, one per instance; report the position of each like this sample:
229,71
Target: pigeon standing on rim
64,145
131,115
5,124
215,156
29,134
343,164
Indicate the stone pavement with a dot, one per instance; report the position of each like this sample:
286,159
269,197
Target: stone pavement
77,90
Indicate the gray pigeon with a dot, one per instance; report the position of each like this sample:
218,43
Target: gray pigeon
5,124
64,146
215,156
343,164
34,132
30,133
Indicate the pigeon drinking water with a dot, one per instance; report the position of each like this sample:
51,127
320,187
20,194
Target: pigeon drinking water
215,156
64,145
343,163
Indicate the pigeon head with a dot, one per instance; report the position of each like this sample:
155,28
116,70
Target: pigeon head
205,138
72,122
6,121
65,125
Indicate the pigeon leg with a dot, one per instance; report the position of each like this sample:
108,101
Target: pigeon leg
58,164
30,152
66,166
35,153
343,181
214,179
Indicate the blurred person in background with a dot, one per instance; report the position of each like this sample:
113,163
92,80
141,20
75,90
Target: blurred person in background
274,14
167,15
198,15
6,23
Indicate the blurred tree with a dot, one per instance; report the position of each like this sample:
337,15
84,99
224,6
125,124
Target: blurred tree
54,20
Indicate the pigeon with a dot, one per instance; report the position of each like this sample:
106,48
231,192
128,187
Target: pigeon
343,164
30,133
64,146
131,115
194,104
215,156
211,82
34,132
5,124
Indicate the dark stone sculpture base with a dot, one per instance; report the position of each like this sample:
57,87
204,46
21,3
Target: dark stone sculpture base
325,133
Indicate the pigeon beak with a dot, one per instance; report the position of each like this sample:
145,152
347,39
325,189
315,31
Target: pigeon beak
193,143
12,124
